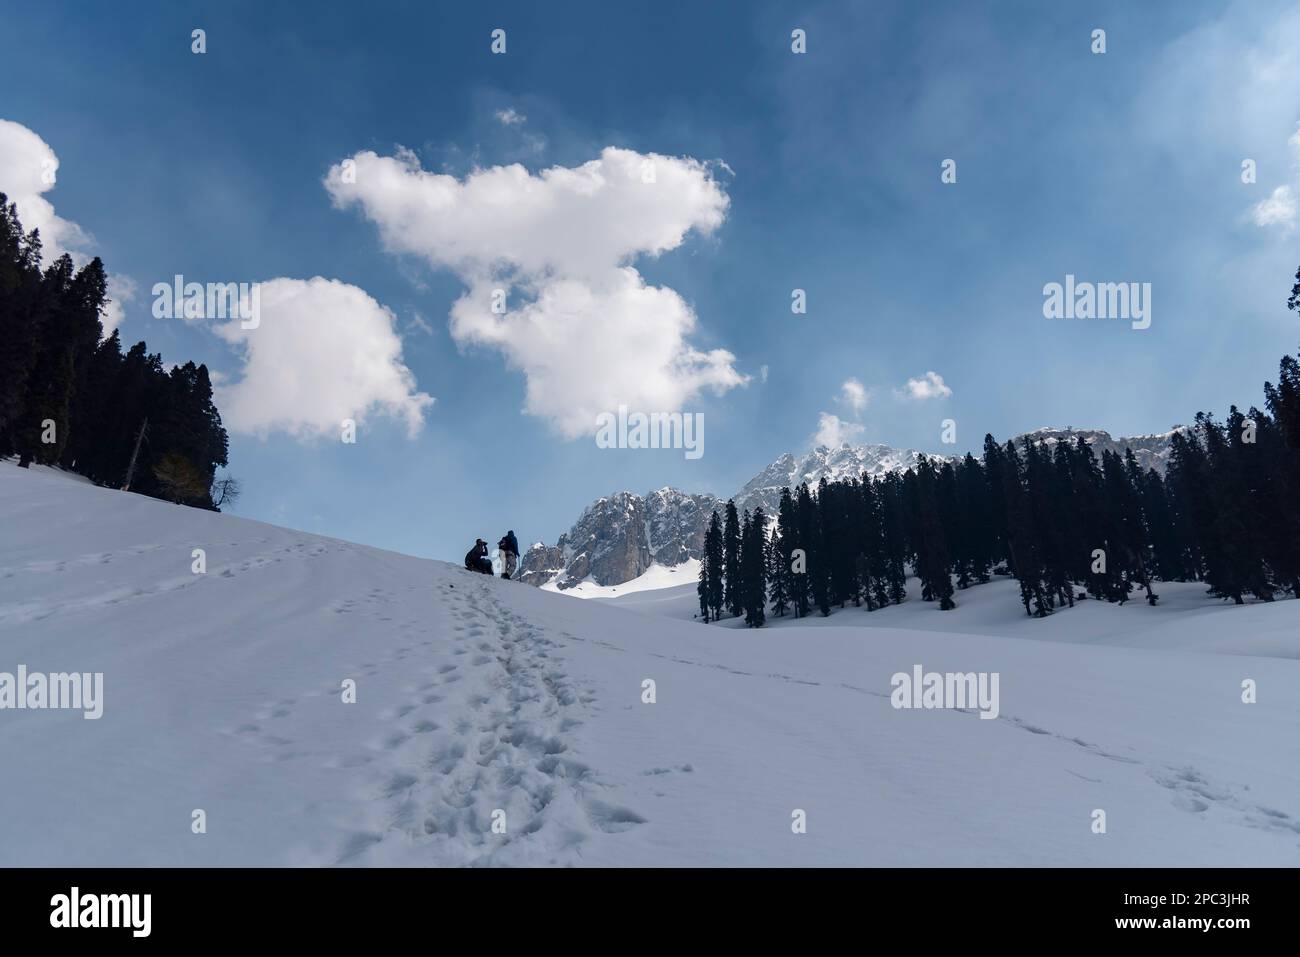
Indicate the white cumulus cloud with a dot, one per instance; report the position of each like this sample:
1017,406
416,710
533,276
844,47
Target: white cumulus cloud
29,168
832,431
322,351
855,395
121,289
1278,210
577,318
928,386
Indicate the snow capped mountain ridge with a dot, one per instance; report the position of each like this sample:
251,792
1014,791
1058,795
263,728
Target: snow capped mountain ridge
620,536
1151,451
847,461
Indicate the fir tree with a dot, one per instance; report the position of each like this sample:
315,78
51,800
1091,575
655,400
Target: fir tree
754,569
713,559
778,568
731,561
933,564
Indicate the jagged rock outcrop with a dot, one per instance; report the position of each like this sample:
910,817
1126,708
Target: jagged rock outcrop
619,536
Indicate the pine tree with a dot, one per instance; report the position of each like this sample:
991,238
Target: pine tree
1276,467
67,398
893,536
1170,561
819,558
793,551
754,569
778,567
1134,533
978,533
702,588
731,560
92,410
1022,548
875,582
1284,400
21,319
934,567
1046,495
995,468
49,385
801,582
713,552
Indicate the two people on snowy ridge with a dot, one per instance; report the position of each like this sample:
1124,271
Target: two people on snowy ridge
476,559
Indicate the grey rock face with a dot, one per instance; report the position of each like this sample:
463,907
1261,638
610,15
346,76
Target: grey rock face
618,537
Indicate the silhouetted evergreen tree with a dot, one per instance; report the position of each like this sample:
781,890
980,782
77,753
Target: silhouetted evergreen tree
793,537
712,567
753,567
1022,547
933,566
22,316
893,536
731,560
778,561
1134,534
819,556
68,399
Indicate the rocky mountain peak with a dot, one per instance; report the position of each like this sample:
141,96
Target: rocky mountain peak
618,537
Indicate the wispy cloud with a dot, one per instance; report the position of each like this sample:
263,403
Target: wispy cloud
928,386
855,395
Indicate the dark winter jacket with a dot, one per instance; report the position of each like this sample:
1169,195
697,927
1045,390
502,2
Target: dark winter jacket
475,555
509,543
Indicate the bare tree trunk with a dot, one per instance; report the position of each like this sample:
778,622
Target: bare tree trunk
130,469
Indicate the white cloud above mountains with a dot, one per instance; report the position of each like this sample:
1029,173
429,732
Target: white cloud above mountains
855,395
928,386
322,351
577,318
1279,208
832,431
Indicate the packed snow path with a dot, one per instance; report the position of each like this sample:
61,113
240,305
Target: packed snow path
481,701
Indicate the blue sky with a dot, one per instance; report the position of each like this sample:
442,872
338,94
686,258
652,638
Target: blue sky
1123,166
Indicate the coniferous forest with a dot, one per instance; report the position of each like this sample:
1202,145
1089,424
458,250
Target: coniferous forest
1064,523
69,399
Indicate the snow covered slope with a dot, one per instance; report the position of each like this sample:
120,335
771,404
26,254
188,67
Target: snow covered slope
1186,619
655,578
222,693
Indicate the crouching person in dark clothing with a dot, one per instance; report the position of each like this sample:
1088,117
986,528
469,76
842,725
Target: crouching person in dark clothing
476,559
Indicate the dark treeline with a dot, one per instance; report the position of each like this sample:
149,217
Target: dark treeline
1061,521
69,399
